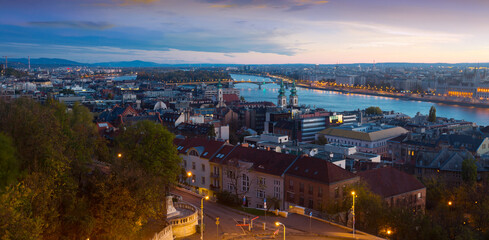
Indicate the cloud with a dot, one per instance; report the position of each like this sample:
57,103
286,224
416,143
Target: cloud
289,5
223,6
73,24
136,2
203,39
107,54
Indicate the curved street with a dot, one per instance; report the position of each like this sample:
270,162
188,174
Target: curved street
297,226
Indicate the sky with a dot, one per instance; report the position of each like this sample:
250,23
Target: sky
247,31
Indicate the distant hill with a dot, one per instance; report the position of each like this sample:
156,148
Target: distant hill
41,62
58,62
135,63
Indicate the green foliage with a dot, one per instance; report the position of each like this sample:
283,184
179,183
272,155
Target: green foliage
469,171
67,91
432,115
273,203
229,199
9,165
434,192
369,209
253,211
16,220
212,132
150,146
321,140
10,72
373,111
53,189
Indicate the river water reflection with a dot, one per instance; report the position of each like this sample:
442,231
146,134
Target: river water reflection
336,101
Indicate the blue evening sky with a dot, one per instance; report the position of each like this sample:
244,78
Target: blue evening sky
247,31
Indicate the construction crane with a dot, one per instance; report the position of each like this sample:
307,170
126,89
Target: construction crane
6,61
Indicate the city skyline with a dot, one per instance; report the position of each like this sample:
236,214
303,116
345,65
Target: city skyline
247,31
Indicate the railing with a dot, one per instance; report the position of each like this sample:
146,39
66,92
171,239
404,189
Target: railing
165,234
188,219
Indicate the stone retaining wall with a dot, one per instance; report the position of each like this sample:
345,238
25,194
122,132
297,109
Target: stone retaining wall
185,226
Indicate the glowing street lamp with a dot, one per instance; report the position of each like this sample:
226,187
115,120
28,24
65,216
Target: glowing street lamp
353,211
189,176
278,224
119,155
202,216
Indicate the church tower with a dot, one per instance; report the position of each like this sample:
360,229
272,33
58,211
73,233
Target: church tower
282,99
220,96
294,99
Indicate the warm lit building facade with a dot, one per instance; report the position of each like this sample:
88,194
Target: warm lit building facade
316,183
195,154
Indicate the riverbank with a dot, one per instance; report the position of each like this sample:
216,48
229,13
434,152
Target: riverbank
432,99
338,100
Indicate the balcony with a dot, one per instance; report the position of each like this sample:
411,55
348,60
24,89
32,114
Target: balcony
214,175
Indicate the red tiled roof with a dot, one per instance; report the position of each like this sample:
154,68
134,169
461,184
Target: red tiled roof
206,147
102,126
263,161
222,153
319,170
178,141
389,181
230,98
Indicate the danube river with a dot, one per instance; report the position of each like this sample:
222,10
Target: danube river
336,101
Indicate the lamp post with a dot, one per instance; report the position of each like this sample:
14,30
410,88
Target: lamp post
119,155
278,224
202,217
189,175
353,211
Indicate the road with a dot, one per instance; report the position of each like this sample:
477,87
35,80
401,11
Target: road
297,226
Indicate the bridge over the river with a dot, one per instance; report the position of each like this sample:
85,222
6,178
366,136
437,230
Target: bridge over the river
253,82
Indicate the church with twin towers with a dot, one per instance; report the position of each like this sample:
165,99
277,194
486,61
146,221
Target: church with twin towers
282,98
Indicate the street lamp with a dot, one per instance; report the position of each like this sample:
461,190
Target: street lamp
353,211
450,203
278,224
202,216
189,175
119,155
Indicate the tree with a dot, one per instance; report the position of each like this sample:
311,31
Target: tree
149,165
61,193
432,115
9,165
469,171
321,140
211,132
236,173
373,111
